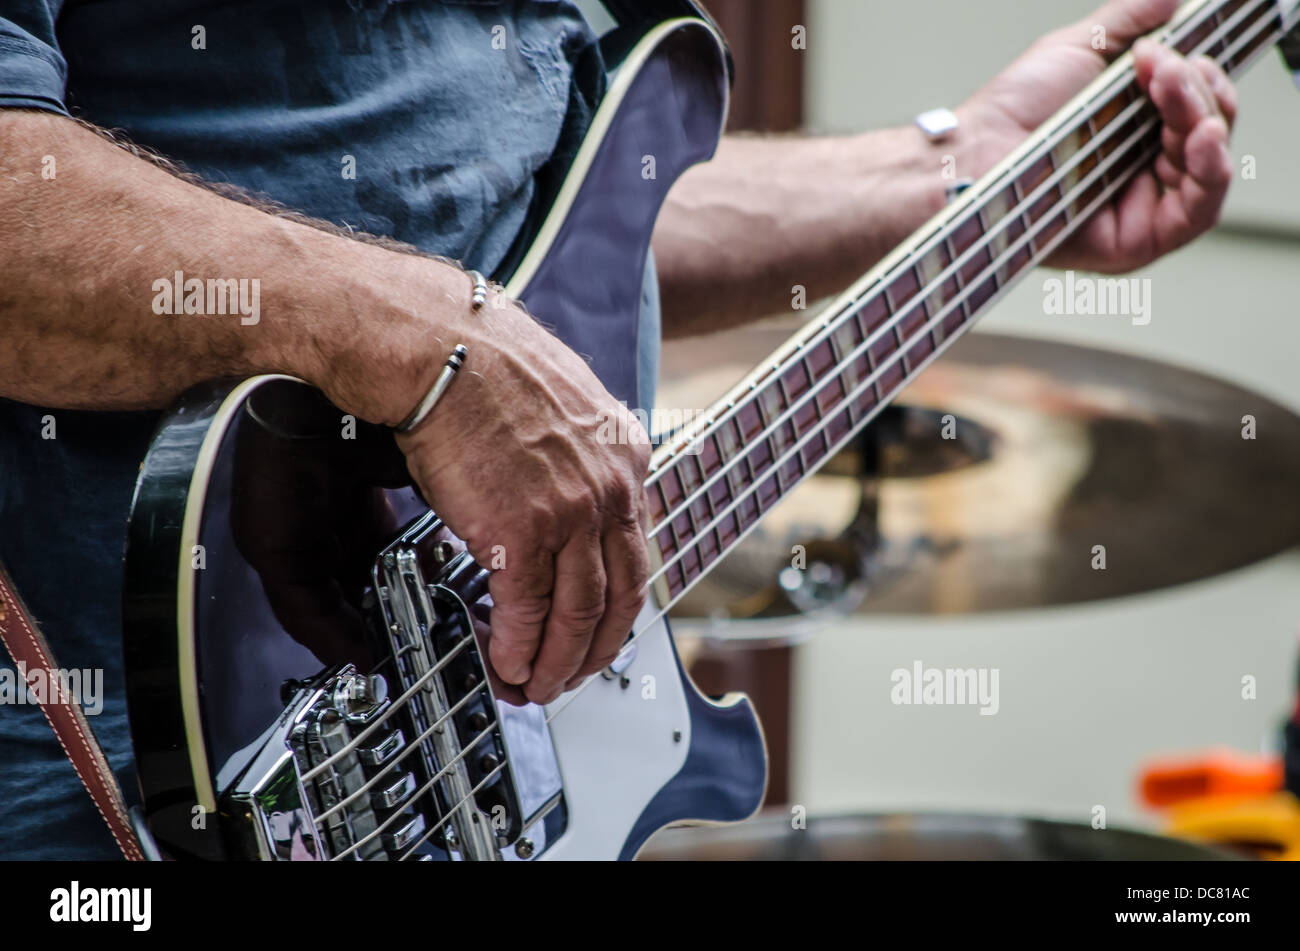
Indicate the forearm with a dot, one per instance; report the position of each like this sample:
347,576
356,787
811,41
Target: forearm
739,233
83,250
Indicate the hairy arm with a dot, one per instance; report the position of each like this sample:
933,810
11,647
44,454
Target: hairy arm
82,250
768,213
738,233
368,325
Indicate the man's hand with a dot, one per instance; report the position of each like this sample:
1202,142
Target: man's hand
511,458
1162,208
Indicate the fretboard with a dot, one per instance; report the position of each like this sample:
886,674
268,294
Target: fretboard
716,480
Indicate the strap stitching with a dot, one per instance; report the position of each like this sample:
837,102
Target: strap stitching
129,848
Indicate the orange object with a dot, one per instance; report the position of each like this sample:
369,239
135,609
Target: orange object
1215,774
1266,827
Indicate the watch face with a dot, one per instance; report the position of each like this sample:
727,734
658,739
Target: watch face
937,124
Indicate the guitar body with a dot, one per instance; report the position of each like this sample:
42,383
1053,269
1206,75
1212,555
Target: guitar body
305,639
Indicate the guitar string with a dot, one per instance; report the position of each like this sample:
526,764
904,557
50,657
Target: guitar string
833,324
1047,250
924,248
398,704
402,701
1051,246
426,788
833,376
1098,140
411,747
451,811
772,471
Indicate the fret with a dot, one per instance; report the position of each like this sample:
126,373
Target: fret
807,455
711,543
1198,35
842,375
872,315
668,546
1009,263
670,484
1077,145
810,411
760,492
749,421
690,553
784,443
656,501
936,298
959,317
749,500
1241,28
897,307
968,234
1035,176
918,344
900,293
729,528
819,360
1105,115
1262,37
1221,16
1062,219
796,382
707,455
859,369
732,450
847,376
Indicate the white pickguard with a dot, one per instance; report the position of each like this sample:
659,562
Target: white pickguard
615,746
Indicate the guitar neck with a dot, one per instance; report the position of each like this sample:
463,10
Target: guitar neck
716,480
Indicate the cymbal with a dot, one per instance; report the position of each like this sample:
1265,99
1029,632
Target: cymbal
1073,474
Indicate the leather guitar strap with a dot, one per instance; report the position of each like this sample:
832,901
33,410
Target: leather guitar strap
32,654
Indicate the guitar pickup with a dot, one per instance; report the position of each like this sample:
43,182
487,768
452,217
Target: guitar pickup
383,751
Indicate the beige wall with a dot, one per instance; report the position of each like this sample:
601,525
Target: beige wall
1087,692
873,63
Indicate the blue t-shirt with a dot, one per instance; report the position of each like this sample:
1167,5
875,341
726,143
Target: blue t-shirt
404,118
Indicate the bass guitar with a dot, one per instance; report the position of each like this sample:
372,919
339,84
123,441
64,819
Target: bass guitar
305,657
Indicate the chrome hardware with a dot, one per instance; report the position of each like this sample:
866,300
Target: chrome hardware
379,754
524,849
394,794
410,603
358,697
475,798
620,663
363,766
407,834
304,793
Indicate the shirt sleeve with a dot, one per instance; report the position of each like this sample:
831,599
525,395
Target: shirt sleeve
33,73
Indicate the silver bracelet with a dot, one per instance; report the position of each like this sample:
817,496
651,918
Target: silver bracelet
478,297
449,370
